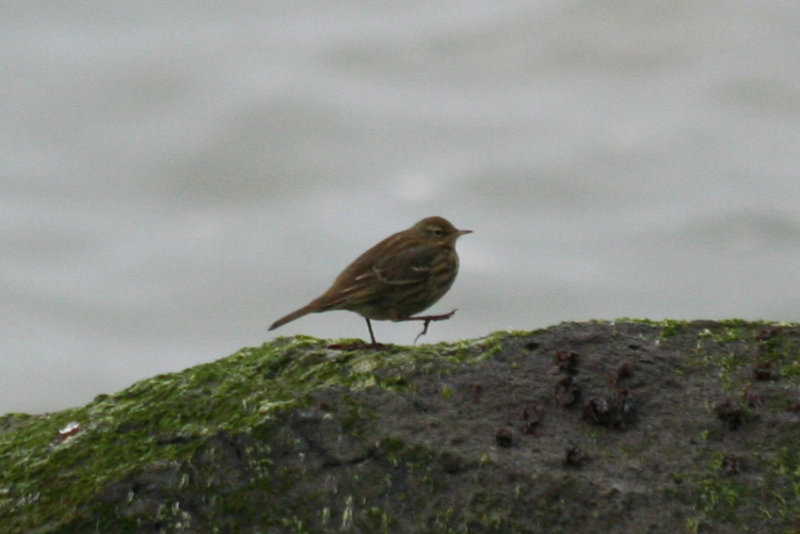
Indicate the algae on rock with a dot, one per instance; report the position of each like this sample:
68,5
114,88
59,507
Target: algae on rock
620,426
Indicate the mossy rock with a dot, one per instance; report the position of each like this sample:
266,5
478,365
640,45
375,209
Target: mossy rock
623,426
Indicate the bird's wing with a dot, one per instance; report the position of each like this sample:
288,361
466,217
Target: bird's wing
408,266
399,263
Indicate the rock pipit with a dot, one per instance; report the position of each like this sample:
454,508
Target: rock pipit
402,275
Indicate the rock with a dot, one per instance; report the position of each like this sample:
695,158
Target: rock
616,427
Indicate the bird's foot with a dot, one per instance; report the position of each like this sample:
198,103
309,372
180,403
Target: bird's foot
357,346
427,320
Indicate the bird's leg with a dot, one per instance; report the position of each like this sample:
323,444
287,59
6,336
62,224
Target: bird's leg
427,319
355,346
371,335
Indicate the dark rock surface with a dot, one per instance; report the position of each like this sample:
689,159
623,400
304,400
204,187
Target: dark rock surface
626,426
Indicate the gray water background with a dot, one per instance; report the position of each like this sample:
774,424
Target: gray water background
176,176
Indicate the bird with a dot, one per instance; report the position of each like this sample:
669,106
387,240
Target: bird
402,275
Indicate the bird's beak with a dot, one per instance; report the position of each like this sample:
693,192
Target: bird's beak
462,232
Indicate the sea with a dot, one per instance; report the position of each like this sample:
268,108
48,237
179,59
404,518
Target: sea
175,176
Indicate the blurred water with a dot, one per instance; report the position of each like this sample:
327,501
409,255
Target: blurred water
175,177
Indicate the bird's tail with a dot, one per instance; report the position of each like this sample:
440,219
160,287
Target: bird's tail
294,315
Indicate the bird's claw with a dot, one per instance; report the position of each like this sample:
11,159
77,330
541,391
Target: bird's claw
427,320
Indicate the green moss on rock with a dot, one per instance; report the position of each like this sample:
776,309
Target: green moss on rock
295,437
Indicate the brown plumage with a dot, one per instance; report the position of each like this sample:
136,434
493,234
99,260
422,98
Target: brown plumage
402,275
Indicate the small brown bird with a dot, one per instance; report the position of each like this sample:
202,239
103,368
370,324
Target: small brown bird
402,275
